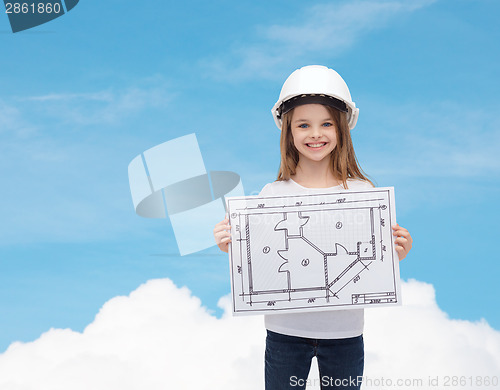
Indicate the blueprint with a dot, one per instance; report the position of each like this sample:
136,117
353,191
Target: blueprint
313,252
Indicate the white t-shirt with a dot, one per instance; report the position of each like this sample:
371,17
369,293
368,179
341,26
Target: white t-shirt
333,324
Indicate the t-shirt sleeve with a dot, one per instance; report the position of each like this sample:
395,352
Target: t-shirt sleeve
267,190
368,184
359,184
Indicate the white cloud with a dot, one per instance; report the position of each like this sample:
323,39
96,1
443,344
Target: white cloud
71,149
103,107
332,27
105,96
335,26
440,139
12,122
158,337
420,340
161,337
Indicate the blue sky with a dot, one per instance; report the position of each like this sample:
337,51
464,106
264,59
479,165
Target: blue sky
81,96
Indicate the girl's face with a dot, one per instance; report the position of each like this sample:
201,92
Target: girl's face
314,132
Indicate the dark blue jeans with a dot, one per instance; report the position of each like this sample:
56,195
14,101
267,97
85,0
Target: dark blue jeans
288,361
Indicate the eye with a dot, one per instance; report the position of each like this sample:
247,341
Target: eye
327,124
303,126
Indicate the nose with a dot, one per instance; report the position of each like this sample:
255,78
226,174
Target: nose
316,132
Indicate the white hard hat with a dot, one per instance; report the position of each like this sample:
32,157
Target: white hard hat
315,84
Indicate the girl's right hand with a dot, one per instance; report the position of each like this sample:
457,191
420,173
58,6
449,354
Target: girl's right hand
222,235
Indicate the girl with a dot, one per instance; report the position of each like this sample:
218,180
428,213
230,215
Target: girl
315,114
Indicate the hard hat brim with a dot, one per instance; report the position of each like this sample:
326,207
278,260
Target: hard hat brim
301,100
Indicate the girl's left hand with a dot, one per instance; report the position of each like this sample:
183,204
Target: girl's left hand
403,241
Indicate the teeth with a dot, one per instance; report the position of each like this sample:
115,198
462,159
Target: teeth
316,145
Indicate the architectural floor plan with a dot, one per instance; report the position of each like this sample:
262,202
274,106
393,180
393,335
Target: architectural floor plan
313,252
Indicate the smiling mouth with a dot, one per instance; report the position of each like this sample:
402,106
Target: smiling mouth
316,145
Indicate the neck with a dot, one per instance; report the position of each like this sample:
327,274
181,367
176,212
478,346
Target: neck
315,174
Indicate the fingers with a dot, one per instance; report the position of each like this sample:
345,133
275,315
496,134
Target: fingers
222,225
401,231
222,234
403,241
401,252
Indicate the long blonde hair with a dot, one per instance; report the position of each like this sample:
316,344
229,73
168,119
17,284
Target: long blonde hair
343,159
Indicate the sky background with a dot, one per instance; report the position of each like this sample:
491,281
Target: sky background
81,96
